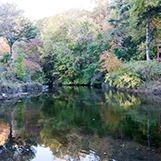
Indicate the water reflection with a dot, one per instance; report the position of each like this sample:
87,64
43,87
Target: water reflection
14,148
81,124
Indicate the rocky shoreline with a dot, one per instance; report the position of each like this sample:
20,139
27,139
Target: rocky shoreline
20,91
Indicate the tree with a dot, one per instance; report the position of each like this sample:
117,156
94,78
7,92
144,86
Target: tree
123,44
14,26
72,43
100,14
119,20
142,13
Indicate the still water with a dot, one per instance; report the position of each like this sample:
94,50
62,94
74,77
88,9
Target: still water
81,124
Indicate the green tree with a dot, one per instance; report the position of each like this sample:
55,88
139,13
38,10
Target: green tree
123,44
14,26
143,12
71,47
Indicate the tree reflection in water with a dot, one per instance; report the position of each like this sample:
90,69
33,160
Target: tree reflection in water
16,148
85,124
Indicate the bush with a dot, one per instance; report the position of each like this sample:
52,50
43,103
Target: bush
5,58
123,79
19,67
136,74
146,71
110,62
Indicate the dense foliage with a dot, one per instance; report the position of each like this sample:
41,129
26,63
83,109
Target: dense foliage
71,47
14,26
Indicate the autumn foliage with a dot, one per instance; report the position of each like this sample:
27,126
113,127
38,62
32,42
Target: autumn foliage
109,62
4,48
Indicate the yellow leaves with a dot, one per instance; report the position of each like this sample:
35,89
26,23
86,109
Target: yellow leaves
125,80
122,101
151,3
128,80
130,102
110,62
62,67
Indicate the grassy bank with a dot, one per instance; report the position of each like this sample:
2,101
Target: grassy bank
137,76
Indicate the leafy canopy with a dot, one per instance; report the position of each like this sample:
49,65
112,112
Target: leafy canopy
14,26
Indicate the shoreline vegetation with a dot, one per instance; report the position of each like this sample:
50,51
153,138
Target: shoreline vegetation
81,48
137,77
143,77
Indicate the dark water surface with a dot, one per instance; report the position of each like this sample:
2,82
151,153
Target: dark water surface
81,124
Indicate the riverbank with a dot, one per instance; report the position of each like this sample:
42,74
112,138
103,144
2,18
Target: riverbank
154,89
20,90
136,77
16,90
145,91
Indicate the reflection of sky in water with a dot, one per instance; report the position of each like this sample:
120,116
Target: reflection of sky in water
45,154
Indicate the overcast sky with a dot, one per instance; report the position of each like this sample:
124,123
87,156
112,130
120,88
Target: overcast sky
37,9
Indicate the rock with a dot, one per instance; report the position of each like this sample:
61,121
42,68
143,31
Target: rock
4,95
20,90
3,69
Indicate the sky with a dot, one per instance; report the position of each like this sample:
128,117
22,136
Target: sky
37,9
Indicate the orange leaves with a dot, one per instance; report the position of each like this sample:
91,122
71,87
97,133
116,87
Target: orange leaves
4,132
110,62
112,43
3,46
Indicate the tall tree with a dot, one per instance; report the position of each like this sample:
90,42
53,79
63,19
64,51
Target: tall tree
123,45
14,26
143,12
119,20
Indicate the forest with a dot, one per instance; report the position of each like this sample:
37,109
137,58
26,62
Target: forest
115,43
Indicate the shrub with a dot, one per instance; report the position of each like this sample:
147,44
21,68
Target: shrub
128,80
19,67
110,62
123,79
146,71
5,58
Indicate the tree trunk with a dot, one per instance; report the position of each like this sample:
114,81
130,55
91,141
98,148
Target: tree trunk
148,38
11,54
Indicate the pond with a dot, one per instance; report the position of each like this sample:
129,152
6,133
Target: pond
81,124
